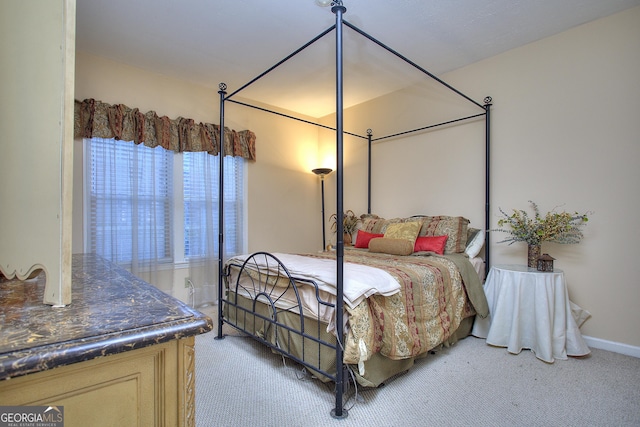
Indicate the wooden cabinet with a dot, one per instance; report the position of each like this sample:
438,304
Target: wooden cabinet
151,386
123,354
37,52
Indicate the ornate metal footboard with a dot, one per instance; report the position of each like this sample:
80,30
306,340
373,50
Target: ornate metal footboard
263,300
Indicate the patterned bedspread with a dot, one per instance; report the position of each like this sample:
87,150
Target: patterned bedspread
425,313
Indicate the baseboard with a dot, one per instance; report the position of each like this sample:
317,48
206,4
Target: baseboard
616,347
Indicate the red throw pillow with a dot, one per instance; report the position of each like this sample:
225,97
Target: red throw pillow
431,244
363,238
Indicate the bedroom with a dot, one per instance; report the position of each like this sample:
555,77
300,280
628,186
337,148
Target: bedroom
564,110
563,134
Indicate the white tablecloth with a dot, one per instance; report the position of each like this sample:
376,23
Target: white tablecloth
531,309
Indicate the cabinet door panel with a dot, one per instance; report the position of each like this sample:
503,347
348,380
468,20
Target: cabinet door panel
136,388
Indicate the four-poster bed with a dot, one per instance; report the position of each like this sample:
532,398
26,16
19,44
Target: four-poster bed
296,304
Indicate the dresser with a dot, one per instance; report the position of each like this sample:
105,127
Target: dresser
122,353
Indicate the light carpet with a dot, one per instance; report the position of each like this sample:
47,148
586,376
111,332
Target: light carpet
242,383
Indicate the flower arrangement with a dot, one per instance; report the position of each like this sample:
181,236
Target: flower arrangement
349,222
557,227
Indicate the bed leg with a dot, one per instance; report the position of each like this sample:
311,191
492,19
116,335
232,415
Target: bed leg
220,335
341,387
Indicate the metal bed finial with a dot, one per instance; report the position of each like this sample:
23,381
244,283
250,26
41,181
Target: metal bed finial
326,3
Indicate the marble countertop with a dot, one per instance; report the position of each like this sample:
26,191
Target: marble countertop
112,311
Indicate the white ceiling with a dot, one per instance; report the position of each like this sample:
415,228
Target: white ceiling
234,41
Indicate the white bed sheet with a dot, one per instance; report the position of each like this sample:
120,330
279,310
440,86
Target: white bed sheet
359,281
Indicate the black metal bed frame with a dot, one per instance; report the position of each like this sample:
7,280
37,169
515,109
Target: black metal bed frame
264,276
338,9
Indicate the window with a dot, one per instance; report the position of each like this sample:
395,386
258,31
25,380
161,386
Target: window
201,203
158,204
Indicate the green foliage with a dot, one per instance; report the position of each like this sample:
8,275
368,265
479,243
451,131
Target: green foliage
557,227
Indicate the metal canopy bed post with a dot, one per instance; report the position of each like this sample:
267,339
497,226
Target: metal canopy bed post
338,9
338,411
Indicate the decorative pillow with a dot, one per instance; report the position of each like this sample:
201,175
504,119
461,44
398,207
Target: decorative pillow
363,238
390,246
430,244
475,244
403,230
471,233
374,224
453,226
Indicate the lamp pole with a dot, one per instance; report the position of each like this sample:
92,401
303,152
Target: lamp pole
322,172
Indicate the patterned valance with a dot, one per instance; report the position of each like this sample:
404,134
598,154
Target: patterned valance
98,119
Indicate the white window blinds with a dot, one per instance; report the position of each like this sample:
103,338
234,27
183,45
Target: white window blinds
130,212
201,185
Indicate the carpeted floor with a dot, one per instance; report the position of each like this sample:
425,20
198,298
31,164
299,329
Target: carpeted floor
241,383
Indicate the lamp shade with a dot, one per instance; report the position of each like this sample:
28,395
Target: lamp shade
322,171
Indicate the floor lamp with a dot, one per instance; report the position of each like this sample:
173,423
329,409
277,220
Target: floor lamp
322,172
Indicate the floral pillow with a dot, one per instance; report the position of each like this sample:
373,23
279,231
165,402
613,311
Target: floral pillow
375,224
403,230
455,227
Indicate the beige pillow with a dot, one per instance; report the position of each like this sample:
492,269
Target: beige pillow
390,246
403,230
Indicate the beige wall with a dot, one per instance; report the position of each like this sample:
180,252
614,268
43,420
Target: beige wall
565,132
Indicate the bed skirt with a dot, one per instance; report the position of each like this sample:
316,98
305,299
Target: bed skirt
282,339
